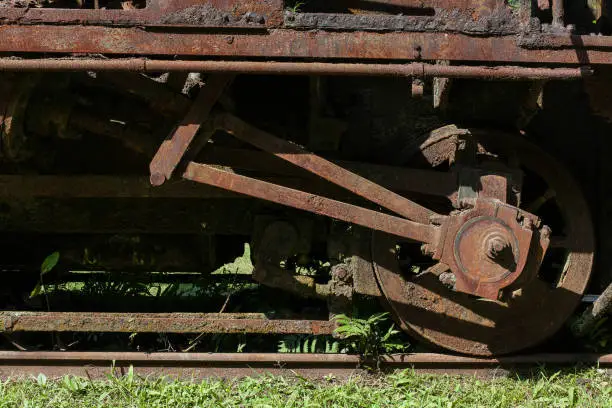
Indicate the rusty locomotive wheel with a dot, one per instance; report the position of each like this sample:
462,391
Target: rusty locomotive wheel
420,297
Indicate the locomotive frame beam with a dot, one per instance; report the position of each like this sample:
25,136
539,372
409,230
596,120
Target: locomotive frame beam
293,44
294,68
102,186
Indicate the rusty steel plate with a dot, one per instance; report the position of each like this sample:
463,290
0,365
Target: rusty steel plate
320,45
431,311
15,93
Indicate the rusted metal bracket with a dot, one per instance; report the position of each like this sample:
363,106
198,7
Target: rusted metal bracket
172,150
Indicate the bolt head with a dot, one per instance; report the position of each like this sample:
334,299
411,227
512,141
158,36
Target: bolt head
495,245
341,272
157,179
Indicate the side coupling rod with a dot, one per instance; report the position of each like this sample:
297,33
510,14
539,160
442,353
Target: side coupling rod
414,221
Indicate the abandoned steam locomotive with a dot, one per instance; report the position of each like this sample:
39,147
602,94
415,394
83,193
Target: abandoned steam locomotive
447,158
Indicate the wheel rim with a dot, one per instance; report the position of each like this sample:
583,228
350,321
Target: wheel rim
430,311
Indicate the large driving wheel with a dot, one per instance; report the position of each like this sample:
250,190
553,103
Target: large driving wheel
420,294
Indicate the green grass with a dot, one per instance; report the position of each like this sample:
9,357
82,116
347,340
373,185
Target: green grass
404,389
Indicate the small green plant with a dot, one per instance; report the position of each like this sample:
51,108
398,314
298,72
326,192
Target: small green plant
74,384
367,336
47,266
111,286
599,337
514,4
242,265
41,380
307,344
295,6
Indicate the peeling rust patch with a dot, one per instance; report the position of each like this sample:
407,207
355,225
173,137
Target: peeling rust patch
213,13
18,3
160,323
499,22
281,43
228,14
207,15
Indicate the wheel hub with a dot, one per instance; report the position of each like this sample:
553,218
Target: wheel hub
488,247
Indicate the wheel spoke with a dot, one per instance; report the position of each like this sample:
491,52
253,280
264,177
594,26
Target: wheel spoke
559,241
436,270
536,204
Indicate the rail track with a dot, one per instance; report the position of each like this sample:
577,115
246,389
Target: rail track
314,366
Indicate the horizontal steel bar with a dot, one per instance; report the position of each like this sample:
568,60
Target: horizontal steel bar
559,42
98,186
54,364
283,43
325,169
311,202
295,68
112,216
313,359
159,323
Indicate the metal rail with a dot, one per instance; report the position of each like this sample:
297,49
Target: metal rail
202,365
295,68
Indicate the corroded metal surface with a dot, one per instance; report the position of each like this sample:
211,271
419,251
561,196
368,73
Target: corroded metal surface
484,248
252,187
464,241
15,364
213,13
284,43
323,168
96,186
503,22
489,246
15,93
172,150
420,70
160,323
433,312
